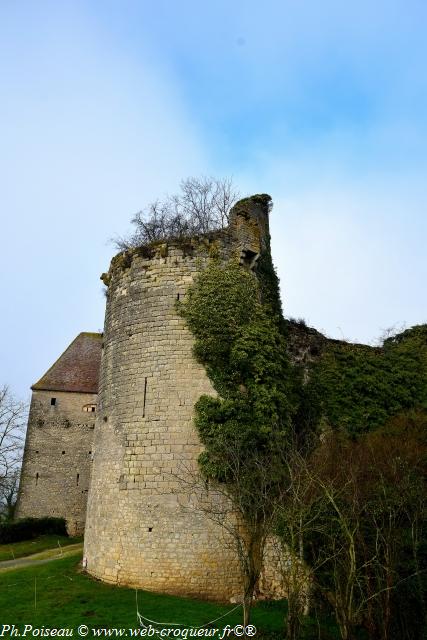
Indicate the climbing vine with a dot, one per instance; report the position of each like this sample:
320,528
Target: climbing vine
239,342
359,387
263,400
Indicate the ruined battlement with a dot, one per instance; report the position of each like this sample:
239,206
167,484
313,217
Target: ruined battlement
245,238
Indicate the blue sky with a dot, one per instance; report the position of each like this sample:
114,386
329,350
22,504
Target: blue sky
107,105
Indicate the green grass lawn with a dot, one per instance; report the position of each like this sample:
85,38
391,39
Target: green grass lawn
58,594
28,547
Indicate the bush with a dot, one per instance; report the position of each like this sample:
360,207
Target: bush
28,528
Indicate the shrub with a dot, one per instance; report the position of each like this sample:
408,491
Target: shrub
28,528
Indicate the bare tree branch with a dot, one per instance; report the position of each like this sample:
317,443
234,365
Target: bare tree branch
12,429
203,205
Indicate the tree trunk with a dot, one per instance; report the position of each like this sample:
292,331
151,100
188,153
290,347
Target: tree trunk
253,570
293,621
247,606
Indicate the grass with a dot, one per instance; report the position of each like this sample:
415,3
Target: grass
28,547
58,594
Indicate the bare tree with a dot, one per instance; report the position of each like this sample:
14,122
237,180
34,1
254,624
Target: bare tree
245,508
12,428
373,494
203,205
299,517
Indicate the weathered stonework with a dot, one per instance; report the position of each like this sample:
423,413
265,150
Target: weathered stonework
142,527
58,458
58,450
136,531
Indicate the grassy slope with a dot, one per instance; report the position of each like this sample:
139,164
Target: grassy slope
28,547
65,597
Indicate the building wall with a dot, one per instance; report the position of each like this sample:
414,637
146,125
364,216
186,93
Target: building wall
58,458
140,528
138,532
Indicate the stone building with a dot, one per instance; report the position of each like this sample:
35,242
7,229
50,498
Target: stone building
111,441
140,529
137,531
58,449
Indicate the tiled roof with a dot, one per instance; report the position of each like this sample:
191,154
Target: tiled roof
77,369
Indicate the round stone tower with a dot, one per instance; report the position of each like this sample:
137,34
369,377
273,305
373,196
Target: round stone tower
137,531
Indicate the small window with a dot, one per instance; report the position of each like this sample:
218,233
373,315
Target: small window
63,452
37,478
77,479
52,402
248,258
89,408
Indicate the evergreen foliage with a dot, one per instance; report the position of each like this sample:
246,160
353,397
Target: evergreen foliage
27,528
240,343
359,388
247,426
359,493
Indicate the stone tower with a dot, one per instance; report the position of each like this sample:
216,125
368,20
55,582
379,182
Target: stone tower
136,532
58,448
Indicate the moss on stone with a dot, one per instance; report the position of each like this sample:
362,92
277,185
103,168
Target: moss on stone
261,199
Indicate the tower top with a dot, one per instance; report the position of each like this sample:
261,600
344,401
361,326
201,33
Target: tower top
249,227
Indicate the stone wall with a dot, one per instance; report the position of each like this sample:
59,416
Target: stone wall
140,529
137,533
58,458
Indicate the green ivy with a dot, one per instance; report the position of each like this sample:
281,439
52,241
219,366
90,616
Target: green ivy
239,342
240,338
359,387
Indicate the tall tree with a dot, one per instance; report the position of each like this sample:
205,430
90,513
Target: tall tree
12,428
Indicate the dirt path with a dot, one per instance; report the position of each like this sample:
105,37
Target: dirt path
41,558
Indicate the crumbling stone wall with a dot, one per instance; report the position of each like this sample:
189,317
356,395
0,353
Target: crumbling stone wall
58,458
137,532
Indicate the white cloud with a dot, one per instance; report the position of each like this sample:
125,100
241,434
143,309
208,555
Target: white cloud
348,261
89,137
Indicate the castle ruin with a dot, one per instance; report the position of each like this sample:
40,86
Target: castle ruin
144,440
